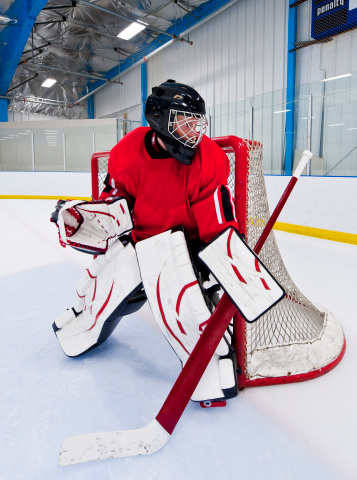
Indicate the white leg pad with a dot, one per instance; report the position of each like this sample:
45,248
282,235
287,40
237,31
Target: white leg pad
177,302
105,285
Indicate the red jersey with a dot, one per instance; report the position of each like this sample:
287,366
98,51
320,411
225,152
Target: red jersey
163,193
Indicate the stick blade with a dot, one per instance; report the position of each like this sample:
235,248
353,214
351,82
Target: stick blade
100,446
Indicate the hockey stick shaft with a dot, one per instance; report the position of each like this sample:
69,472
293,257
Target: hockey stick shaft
298,171
195,366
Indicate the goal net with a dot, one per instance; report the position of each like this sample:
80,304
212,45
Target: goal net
295,340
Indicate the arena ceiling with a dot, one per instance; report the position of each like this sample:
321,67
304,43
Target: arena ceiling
75,42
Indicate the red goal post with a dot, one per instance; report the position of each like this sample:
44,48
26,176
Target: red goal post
296,340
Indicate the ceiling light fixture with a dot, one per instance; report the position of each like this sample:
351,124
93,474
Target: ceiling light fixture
49,82
132,30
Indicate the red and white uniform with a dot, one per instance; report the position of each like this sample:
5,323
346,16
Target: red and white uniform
163,193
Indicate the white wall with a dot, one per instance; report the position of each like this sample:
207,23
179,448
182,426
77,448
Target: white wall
239,53
238,60
328,203
115,99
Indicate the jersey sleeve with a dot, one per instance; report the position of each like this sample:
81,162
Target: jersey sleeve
214,209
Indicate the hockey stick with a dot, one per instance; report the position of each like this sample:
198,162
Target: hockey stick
151,438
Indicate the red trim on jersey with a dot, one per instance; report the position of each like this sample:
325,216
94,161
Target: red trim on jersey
163,315
153,143
232,202
219,197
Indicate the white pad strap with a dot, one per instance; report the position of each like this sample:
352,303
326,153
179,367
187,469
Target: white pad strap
177,302
87,226
250,286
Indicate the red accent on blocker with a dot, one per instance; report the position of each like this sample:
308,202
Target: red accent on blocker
266,286
235,269
257,267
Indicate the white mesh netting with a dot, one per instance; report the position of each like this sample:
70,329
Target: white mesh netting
294,337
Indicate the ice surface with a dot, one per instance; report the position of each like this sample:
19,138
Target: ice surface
300,431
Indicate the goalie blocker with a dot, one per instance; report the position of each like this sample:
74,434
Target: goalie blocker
248,283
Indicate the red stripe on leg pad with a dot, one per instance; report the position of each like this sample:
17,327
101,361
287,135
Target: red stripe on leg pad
95,289
181,327
163,315
202,325
179,298
91,276
102,307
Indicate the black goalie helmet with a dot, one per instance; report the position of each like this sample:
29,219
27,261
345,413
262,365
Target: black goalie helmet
177,113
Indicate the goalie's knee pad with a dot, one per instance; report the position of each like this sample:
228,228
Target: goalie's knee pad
102,298
180,309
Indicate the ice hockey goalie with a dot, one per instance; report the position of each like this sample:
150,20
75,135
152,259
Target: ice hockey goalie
165,197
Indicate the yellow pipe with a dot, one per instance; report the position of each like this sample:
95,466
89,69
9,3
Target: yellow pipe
317,232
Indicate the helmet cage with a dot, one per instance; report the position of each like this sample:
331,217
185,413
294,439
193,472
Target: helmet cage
187,127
